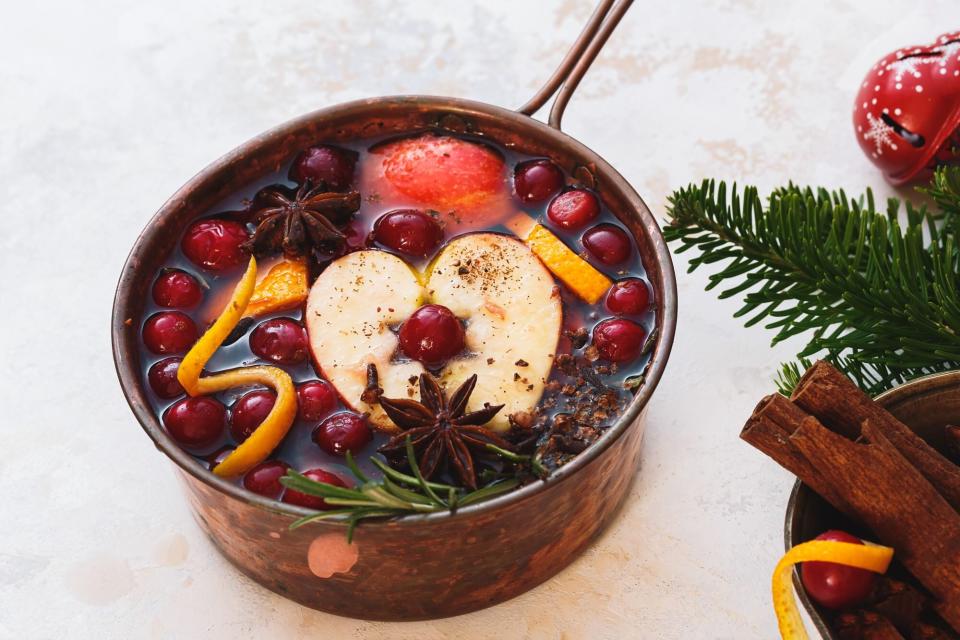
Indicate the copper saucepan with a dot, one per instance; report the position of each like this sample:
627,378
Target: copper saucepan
440,564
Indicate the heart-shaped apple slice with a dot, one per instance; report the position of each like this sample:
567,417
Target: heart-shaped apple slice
351,312
507,299
513,315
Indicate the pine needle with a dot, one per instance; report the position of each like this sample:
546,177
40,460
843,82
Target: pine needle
876,298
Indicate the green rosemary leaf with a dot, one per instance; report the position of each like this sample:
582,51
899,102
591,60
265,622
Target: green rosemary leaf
489,491
397,476
406,494
343,502
383,497
298,482
321,515
354,469
412,461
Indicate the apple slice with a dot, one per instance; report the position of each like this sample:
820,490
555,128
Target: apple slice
349,314
513,315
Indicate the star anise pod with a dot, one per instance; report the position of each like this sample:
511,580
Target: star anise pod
309,219
440,429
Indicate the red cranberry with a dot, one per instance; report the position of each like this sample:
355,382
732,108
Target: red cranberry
833,585
313,502
537,180
215,244
169,332
280,340
315,399
432,335
163,378
628,297
342,432
574,209
608,243
264,479
219,456
619,340
249,411
177,289
196,422
326,164
408,231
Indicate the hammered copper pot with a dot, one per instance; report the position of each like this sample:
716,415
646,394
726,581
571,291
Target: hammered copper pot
925,405
440,564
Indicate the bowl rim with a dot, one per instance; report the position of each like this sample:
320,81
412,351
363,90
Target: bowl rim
800,493
130,376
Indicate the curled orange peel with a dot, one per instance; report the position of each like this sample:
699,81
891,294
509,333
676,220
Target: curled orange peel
274,427
862,556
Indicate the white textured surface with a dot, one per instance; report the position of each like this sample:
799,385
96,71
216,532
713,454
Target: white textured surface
107,107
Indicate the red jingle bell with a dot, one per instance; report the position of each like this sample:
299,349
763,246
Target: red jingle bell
907,113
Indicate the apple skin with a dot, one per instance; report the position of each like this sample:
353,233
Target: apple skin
465,182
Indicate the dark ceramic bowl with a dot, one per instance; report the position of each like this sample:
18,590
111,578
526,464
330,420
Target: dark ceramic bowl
440,564
925,405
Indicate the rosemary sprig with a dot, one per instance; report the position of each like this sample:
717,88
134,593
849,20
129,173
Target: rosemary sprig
877,297
396,494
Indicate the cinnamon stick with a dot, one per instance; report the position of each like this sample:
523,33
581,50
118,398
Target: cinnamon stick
818,393
891,497
769,429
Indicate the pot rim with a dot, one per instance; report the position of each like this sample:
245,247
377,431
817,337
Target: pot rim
800,493
130,376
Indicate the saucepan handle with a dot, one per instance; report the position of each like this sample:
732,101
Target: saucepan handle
574,65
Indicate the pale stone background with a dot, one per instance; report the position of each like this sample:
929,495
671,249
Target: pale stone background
106,107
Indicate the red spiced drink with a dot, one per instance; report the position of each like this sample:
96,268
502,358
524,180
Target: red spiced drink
430,305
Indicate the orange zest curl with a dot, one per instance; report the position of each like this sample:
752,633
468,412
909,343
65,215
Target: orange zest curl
275,426
862,556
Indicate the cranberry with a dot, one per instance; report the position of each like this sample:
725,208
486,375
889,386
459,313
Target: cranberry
314,502
322,163
249,411
178,289
574,209
833,585
432,335
163,378
315,399
196,422
264,478
169,332
619,340
219,456
342,432
408,231
628,297
280,340
537,180
608,243
215,244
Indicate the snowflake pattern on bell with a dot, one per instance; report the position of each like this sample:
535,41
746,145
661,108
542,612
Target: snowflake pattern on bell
908,109
908,66
881,133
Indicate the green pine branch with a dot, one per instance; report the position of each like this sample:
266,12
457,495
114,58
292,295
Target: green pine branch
876,298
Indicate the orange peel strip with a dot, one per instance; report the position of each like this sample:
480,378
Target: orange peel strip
274,427
575,272
862,556
284,287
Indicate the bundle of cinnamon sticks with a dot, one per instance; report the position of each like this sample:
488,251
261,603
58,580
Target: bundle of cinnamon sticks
873,468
